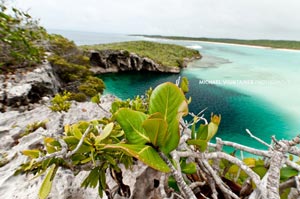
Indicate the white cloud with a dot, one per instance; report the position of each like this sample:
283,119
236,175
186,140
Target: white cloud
274,19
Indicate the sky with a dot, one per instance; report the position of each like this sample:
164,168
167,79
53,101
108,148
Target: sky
245,19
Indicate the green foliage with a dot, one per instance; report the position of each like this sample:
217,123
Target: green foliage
138,103
184,84
92,86
61,102
20,39
170,101
141,128
93,151
148,134
144,153
96,98
165,54
33,127
67,71
59,45
47,183
131,122
78,97
207,131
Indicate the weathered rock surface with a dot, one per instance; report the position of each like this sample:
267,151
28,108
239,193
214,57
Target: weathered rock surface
66,185
113,61
13,123
25,86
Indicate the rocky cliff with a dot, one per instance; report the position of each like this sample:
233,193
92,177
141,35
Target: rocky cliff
25,87
104,61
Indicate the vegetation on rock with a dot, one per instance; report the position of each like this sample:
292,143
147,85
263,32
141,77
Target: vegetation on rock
165,54
23,43
151,130
21,39
33,127
61,102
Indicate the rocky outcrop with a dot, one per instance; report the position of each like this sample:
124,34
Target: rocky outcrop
25,86
105,61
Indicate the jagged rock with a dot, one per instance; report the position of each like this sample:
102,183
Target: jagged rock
118,60
26,86
13,123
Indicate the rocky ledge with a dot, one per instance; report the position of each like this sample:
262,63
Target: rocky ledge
25,87
105,61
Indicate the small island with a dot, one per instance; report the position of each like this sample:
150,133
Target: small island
139,55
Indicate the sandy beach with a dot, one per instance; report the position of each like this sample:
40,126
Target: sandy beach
231,44
245,45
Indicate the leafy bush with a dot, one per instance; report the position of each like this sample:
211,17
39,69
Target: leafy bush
21,39
61,102
92,86
68,71
155,134
60,45
78,97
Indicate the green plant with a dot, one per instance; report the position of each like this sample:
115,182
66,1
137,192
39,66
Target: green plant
61,102
20,39
67,71
92,86
79,97
33,127
155,134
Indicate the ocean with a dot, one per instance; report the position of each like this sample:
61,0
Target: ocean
252,88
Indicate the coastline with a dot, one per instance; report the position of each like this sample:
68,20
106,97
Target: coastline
231,44
251,46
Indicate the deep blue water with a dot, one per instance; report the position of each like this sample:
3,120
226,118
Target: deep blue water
270,106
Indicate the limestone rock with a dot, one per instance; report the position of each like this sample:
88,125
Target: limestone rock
13,123
118,60
26,86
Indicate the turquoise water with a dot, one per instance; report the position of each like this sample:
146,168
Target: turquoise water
254,88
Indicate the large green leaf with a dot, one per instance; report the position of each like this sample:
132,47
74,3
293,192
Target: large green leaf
144,153
131,122
156,129
47,183
170,101
208,131
105,133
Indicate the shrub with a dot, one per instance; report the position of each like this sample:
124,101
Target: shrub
92,86
67,71
79,97
61,102
61,45
20,39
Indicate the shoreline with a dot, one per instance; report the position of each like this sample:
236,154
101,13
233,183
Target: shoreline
231,44
251,46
